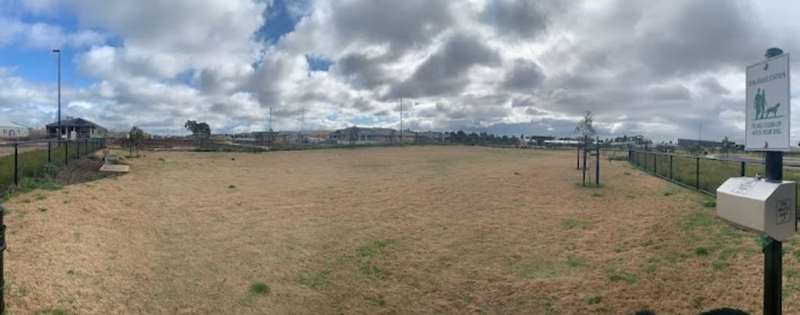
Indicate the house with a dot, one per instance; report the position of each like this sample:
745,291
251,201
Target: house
357,135
75,128
10,130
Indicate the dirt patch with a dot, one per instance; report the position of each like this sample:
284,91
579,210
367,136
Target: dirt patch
383,230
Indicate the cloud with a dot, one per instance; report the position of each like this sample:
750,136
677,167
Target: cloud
521,18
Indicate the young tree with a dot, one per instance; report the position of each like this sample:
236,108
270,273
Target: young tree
585,127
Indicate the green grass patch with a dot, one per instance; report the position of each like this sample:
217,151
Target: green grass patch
376,300
701,251
260,288
366,257
314,280
569,224
595,300
619,275
52,311
710,203
575,262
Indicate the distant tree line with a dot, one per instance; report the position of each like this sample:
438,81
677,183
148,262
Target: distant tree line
483,138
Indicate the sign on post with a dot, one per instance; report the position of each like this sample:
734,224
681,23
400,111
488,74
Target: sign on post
768,107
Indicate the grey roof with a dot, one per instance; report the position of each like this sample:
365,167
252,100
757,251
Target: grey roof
74,122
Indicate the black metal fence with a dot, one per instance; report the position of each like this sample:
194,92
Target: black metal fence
33,159
700,173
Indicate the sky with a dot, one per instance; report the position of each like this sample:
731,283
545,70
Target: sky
662,69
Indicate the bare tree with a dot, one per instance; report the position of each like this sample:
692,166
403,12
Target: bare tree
585,127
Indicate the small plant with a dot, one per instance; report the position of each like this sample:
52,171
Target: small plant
627,277
231,186
667,193
376,300
595,300
710,203
597,194
260,288
366,254
574,223
42,209
701,251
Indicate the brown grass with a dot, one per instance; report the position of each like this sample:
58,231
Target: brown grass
381,230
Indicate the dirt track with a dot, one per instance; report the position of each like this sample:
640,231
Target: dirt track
382,230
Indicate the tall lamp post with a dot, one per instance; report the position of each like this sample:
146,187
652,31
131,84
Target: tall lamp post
58,53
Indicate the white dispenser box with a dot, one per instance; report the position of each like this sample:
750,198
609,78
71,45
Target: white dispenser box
758,204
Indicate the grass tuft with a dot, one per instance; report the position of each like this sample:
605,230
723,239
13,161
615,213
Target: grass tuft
260,288
595,300
366,255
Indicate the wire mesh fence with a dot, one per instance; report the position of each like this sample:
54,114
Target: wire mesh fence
702,174
34,159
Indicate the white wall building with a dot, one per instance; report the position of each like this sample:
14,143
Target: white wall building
9,130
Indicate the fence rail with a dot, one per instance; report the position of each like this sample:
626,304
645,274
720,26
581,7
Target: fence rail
31,159
702,174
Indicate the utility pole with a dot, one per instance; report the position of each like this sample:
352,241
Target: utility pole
58,53
401,120
270,127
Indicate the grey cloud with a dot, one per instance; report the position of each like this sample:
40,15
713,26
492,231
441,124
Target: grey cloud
444,71
402,25
524,76
522,18
669,92
711,85
360,70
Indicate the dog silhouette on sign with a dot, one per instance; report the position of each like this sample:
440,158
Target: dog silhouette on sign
773,110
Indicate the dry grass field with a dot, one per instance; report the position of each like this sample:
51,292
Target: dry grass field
380,230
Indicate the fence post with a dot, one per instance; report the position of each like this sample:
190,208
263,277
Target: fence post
597,165
697,173
66,152
49,150
584,165
16,164
577,162
670,166
655,164
2,250
743,169
78,145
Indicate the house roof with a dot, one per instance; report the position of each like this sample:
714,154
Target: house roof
74,122
9,124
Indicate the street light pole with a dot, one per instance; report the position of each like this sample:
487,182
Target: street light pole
58,52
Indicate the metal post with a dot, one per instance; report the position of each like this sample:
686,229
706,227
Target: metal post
66,152
670,166
697,173
584,164
16,165
597,165
2,250
655,164
743,168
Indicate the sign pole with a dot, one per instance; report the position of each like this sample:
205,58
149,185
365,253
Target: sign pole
773,250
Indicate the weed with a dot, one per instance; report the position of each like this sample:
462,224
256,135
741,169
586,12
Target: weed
42,209
52,311
376,300
231,186
697,220
701,251
595,300
575,262
574,223
596,194
366,254
627,277
667,193
314,280
710,203
260,288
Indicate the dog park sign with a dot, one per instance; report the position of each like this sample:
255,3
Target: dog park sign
768,107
